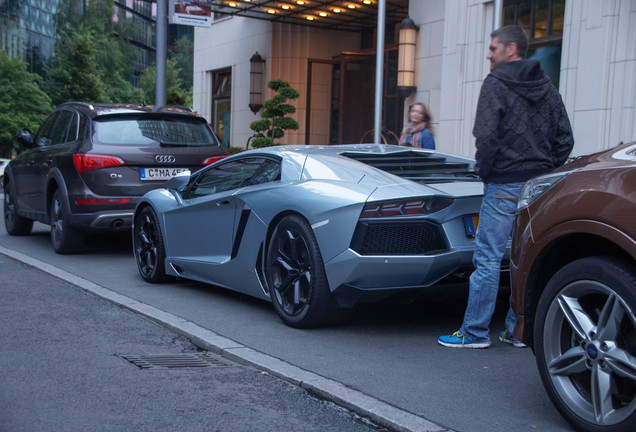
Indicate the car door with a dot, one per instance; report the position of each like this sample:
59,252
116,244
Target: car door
200,232
62,136
27,169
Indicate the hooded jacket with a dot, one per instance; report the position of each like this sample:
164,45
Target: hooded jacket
521,128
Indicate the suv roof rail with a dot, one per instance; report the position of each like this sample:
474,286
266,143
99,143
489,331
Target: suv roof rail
86,104
155,108
180,107
168,107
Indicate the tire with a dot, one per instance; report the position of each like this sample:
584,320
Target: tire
585,343
148,246
65,238
14,224
296,275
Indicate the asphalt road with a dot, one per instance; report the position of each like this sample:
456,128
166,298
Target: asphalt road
386,359
63,367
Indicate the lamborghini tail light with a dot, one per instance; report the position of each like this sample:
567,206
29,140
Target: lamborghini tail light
409,207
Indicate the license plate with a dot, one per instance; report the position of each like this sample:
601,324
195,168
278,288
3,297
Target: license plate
160,173
470,223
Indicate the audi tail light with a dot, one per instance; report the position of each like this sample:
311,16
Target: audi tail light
210,160
87,162
407,207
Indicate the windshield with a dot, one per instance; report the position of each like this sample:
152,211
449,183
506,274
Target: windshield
152,131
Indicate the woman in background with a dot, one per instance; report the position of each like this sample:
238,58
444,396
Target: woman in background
418,132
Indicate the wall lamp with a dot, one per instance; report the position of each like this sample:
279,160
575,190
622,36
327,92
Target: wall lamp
406,57
257,64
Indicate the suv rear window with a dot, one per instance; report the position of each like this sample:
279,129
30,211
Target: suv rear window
144,131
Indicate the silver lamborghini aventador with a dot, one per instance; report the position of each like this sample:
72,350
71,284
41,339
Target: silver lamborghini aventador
314,229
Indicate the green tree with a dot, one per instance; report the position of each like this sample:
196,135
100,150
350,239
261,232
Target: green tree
179,73
183,55
23,103
114,56
175,95
94,14
274,121
72,73
92,59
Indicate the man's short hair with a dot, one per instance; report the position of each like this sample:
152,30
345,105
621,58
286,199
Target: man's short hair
512,34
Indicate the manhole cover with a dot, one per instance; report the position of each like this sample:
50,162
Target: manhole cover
174,361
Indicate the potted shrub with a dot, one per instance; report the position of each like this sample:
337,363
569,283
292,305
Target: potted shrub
274,120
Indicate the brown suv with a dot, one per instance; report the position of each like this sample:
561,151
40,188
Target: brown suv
573,268
89,164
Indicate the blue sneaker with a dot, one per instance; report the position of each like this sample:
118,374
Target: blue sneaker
506,337
458,340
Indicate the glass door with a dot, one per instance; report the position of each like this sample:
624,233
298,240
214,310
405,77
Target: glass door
222,105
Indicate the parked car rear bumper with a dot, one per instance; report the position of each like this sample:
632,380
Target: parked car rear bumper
117,220
359,278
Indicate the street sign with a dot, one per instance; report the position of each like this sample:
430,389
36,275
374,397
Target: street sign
190,12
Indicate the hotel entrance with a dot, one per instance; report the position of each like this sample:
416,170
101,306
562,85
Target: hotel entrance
340,106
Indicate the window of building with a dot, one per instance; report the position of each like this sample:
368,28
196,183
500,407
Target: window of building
543,22
222,104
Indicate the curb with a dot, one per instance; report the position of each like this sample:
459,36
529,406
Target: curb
375,410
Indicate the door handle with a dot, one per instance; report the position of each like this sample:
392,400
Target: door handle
223,203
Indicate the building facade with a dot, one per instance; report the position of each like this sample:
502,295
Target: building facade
587,47
596,74
142,15
27,30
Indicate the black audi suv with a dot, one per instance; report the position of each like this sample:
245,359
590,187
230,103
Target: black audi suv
89,164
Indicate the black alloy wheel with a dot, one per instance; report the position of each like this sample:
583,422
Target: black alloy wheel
296,275
15,224
65,238
150,253
585,343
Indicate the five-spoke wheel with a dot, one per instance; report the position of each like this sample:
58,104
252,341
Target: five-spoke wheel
148,246
296,276
585,343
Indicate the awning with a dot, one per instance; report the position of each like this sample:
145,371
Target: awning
344,15
352,15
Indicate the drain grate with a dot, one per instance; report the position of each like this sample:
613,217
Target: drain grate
174,361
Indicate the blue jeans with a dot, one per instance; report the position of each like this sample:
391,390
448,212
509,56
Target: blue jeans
496,217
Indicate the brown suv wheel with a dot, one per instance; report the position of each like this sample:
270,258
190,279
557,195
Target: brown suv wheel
585,343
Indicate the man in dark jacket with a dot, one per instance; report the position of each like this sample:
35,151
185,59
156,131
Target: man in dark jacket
522,130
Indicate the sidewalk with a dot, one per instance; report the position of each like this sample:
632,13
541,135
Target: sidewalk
377,411
62,369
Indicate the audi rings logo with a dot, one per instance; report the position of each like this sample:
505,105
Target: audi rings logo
165,159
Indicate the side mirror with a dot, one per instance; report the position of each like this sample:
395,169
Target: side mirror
178,182
25,138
